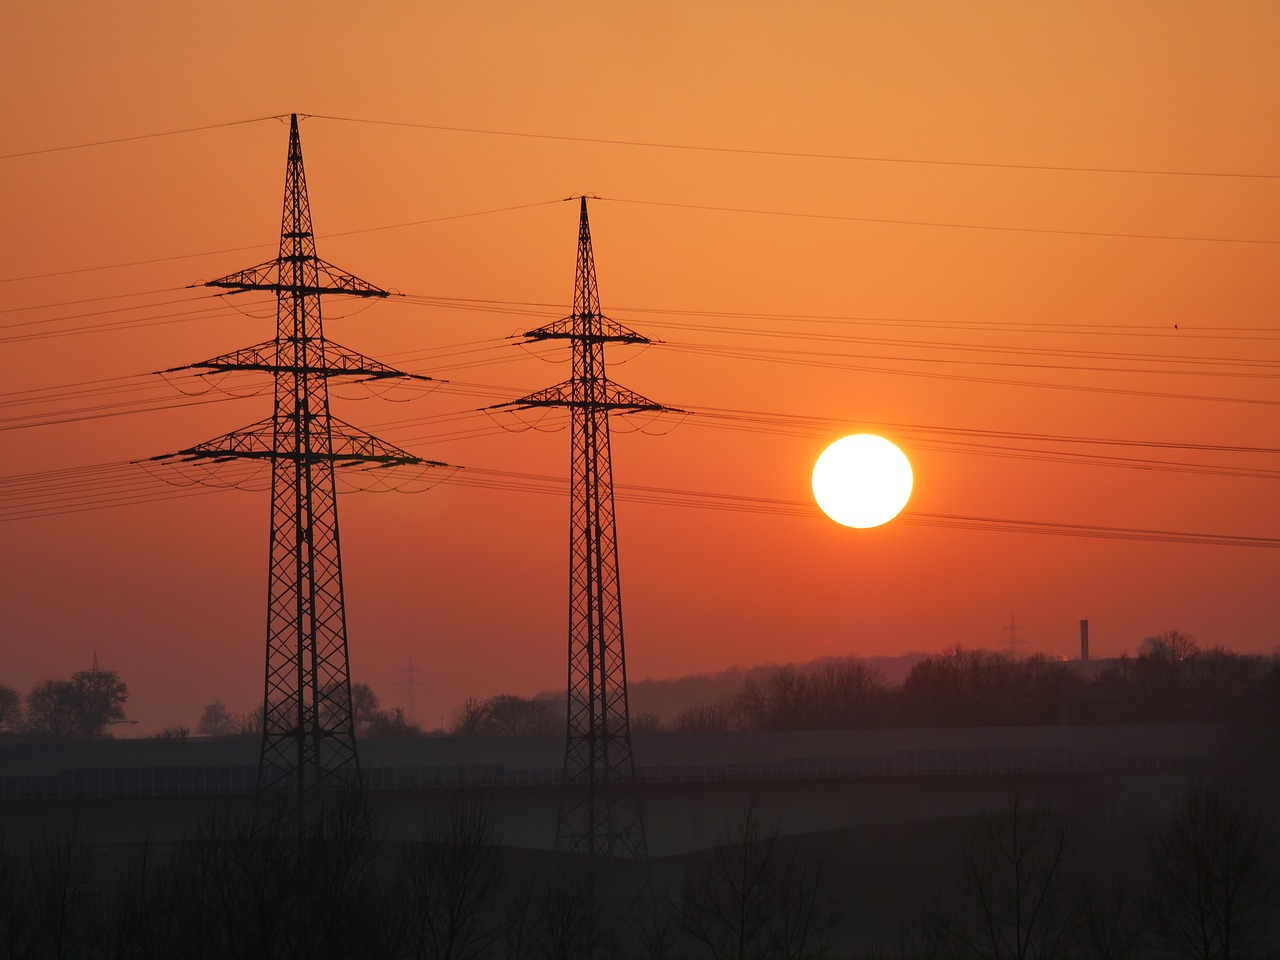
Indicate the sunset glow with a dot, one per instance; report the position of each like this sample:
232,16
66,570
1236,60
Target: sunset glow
1035,244
862,481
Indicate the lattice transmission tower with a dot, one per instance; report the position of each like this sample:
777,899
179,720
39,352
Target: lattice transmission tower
308,737
599,810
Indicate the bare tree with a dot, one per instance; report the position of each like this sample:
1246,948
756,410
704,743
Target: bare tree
646,721
569,916
143,909
392,725
1212,892
841,693
508,716
960,687
336,885
51,711
754,898
1111,921
10,709
452,881
215,721
1172,646
249,723
1013,900
16,934
60,894
364,703
713,717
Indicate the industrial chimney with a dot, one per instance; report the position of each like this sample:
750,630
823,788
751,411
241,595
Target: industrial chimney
1084,639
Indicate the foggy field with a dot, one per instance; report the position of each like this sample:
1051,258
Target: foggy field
886,860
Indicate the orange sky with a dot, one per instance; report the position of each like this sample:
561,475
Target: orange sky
1085,290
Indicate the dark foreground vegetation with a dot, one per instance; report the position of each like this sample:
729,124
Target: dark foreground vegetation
1025,884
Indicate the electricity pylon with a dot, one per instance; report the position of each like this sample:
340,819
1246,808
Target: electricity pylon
599,810
308,735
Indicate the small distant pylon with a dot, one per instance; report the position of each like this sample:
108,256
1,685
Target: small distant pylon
1013,641
599,809
308,736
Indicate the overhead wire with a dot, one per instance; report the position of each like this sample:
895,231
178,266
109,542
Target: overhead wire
264,246
670,145
83,300
82,490
162,319
1162,330
943,224
823,358
190,298
795,358
94,498
796,154
141,136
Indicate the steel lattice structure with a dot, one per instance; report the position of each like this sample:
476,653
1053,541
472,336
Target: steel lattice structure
308,737
599,810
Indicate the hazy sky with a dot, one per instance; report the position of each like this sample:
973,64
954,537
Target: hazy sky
997,234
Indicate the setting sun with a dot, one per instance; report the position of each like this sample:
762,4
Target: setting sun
862,481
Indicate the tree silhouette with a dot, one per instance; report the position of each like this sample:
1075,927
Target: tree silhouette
10,709
840,694
51,712
450,908
1013,900
215,721
1212,894
755,898
508,716
364,703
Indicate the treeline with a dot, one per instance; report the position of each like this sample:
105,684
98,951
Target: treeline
86,707
371,720
1200,885
1171,680
80,708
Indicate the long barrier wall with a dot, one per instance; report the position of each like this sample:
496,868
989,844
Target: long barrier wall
198,767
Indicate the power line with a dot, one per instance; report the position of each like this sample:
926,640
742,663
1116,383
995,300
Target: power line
939,223
786,355
82,300
673,205
261,246
1163,330
86,488
801,155
747,353
668,145
103,313
162,319
141,136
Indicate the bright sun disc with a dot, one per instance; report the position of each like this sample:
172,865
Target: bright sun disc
862,481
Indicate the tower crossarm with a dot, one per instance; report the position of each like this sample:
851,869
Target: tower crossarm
272,276
350,446
353,445
589,329
339,361
598,395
